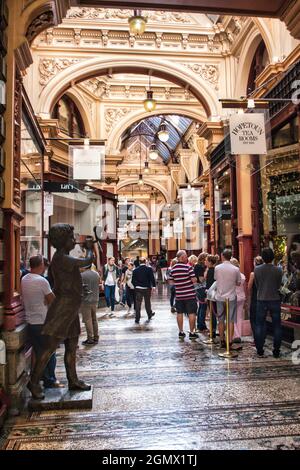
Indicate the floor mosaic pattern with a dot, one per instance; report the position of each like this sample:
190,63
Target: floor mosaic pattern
153,391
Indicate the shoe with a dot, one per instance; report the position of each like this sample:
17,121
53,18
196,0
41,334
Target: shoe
237,340
79,385
111,315
88,342
203,329
260,353
137,322
181,334
96,340
36,391
55,384
152,315
193,336
276,353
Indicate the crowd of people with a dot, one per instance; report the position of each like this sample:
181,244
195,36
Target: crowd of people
196,286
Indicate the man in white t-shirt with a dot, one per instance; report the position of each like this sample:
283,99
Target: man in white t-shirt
228,277
36,296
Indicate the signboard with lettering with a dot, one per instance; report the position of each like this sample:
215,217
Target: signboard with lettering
248,134
87,162
191,200
54,186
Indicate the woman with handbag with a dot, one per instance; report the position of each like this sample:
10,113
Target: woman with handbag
110,281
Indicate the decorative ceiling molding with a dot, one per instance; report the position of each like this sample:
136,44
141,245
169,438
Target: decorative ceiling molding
49,67
209,72
113,115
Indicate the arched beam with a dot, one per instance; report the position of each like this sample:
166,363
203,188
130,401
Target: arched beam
114,139
160,68
148,181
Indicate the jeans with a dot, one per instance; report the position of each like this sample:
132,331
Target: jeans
38,342
201,325
109,292
130,299
172,295
263,307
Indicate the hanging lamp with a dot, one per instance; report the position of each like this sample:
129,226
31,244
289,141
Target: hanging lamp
137,23
163,133
149,102
153,153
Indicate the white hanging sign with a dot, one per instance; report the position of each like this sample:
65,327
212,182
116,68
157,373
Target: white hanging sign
178,227
248,134
87,162
167,231
48,204
191,200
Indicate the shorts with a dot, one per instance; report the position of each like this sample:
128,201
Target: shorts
187,306
221,311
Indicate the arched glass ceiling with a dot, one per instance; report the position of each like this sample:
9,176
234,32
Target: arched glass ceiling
145,131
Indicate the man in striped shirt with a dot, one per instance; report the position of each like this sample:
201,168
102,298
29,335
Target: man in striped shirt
182,276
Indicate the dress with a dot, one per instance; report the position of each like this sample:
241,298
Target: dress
62,320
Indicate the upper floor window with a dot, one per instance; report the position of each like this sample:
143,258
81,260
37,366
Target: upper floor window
69,118
259,63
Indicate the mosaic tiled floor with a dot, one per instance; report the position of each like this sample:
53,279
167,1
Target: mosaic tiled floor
152,391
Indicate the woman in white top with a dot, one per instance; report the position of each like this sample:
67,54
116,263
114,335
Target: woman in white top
241,297
130,300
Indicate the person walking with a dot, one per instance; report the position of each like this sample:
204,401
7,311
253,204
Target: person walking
209,275
240,299
90,281
163,265
228,277
136,262
110,280
252,296
182,276
172,288
200,270
268,279
129,288
123,296
144,281
36,296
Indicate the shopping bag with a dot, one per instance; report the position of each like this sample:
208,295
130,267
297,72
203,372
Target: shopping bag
117,294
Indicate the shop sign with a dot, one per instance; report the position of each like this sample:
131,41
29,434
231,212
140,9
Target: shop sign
167,231
87,162
54,187
248,134
48,204
178,227
191,200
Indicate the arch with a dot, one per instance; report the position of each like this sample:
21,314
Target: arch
246,57
113,142
134,180
84,112
265,32
97,67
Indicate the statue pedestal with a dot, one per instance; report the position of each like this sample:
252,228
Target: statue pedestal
62,399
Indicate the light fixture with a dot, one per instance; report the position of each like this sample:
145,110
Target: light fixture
86,143
153,153
163,133
137,23
189,186
250,104
140,181
149,102
146,169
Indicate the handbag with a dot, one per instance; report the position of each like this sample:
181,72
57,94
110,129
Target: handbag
117,294
211,292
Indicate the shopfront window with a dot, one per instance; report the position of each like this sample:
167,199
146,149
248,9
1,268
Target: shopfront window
223,211
280,200
31,196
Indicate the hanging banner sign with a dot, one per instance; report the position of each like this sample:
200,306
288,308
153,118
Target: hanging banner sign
191,200
248,134
167,232
48,204
189,220
87,162
178,227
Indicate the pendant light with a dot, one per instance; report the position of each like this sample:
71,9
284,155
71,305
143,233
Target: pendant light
137,23
149,102
163,133
146,168
140,181
153,153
